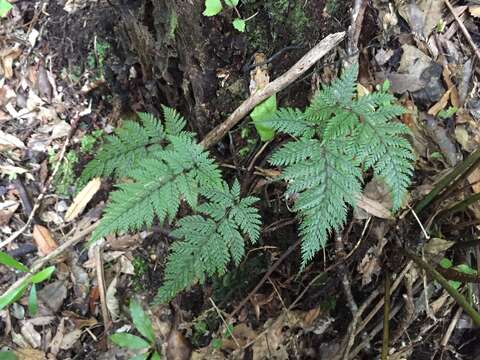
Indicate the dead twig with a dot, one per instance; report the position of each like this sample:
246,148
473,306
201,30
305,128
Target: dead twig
451,327
305,63
464,29
101,285
386,313
354,30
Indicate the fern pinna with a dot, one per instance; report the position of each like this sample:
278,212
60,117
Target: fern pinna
209,240
165,166
337,136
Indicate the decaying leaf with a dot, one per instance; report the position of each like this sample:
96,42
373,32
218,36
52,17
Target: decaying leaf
441,104
112,301
9,142
7,209
474,10
44,240
70,339
437,246
7,57
82,199
178,348
31,335
30,354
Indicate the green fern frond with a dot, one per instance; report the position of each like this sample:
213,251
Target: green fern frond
290,121
159,185
132,143
324,172
208,242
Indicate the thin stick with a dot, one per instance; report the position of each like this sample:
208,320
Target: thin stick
386,313
451,327
101,285
464,29
224,322
305,63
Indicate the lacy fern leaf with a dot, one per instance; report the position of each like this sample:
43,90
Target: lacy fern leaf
338,135
208,242
159,185
131,143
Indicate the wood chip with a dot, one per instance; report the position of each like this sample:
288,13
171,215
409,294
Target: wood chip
82,199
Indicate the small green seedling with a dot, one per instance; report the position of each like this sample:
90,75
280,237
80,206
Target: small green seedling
217,343
144,326
5,7
462,268
10,297
447,113
214,7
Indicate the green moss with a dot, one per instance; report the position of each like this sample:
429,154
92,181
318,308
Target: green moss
172,25
279,23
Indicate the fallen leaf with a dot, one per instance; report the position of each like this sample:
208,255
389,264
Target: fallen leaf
474,10
441,104
53,295
7,209
437,246
30,354
70,339
58,338
44,240
474,180
43,85
7,57
82,199
178,348
373,207
112,301
31,335
9,141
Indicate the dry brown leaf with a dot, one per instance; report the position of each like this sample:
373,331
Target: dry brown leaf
474,180
178,347
9,141
474,10
7,209
437,246
82,199
7,57
44,240
259,77
441,104
373,207
112,301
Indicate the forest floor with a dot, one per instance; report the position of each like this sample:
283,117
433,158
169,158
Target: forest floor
69,76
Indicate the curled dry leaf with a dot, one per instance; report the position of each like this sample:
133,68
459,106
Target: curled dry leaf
178,348
70,339
7,57
44,240
112,301
31,335
82,199
9,142
7,209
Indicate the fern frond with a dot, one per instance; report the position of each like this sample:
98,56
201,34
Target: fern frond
209,242
159,185
325,172
325,182
132,143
